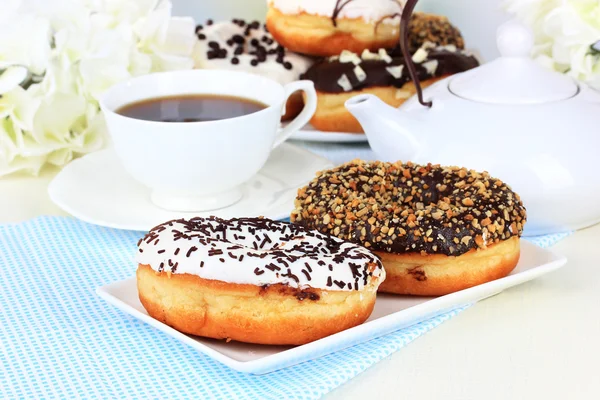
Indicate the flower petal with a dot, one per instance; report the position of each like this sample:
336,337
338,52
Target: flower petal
12,77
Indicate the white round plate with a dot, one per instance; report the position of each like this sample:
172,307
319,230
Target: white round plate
97,189
310,133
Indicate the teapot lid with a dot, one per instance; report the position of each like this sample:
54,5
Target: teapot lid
513,78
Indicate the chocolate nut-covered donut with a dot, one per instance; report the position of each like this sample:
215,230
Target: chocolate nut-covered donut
432,28
408,210
342,77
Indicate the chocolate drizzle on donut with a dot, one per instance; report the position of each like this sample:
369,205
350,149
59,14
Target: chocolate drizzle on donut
271,252
410,208
339,5
404,30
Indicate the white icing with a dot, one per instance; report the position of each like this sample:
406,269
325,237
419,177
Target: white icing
384,56
395,71
420,55
220,32
449,47
344,82
177,247
348,56
368,10
431,66
367,55
360,73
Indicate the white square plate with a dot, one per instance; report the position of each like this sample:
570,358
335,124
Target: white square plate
391,314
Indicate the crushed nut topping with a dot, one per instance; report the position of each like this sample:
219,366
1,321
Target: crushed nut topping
435,29
397,207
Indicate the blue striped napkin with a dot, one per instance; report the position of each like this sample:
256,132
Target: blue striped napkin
59,340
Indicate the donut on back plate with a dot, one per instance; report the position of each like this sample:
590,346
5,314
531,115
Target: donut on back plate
339,78
327,27
255,280
238,45
436,229
430,28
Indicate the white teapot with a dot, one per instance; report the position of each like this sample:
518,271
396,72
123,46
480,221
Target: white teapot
535,129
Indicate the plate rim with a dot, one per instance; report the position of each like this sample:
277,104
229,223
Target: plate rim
383,325
52,190
304,134
342,137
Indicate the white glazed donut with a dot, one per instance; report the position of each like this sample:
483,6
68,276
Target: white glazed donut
237,45
255,280
367,10
327,27
241,46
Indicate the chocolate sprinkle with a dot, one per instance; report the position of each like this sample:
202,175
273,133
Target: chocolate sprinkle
191,250
262,48
340,284
267,236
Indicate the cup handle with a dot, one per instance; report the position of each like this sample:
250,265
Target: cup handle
310,106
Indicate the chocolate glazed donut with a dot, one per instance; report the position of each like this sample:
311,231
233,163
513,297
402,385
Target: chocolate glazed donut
436,229
338,79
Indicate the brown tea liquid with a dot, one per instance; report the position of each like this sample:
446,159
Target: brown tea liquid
190,108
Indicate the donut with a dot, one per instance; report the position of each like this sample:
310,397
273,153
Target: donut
327,27
254,280
436,229
339,78
248,46
426,28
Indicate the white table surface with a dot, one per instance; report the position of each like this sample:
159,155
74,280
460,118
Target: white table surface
540,340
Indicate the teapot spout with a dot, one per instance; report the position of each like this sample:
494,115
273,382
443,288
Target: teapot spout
388,129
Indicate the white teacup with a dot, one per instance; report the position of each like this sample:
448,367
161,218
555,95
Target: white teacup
200,166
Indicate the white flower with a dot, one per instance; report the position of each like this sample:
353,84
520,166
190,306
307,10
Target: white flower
25,40
58,57
566,32
12,76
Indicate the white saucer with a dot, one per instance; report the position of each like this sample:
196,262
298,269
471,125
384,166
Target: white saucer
312,134
97,189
